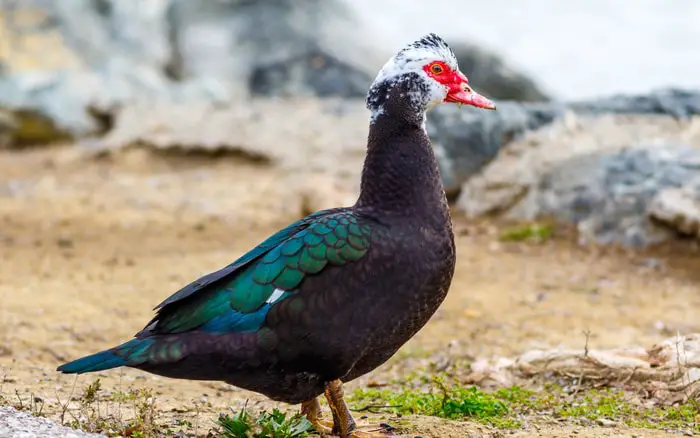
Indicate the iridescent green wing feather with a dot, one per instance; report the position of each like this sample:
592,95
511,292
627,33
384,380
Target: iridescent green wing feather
240,300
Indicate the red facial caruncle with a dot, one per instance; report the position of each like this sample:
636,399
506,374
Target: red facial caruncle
458,89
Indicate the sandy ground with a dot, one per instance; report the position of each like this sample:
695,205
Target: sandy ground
88,247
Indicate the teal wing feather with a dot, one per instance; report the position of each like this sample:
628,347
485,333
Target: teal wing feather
238,297
242,261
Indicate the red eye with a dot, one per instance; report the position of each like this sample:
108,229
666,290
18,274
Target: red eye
436,69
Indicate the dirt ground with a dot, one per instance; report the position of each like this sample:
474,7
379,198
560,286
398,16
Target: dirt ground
89,246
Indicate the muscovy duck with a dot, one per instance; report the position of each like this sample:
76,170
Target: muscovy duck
333,296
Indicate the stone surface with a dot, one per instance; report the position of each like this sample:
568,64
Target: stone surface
19,424
123,92
31,40
491,76
607,194
101,30
314,73
281,48
51,105
466,139
679,208
671,101
220,51
115,54
598,172
309,135
93,58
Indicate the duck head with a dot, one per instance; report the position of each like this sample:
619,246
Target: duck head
422,75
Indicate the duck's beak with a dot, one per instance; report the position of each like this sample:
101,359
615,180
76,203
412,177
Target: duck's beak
462,93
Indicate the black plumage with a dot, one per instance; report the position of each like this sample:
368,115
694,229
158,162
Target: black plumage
334,295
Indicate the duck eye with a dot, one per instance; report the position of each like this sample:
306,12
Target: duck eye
436,69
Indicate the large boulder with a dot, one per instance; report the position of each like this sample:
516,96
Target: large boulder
309,135
129,52
54,105
608,194
467,139
672,102
679,208
98,57
281,47
599,172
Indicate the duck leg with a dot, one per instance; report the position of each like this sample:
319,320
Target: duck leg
343,423
312,410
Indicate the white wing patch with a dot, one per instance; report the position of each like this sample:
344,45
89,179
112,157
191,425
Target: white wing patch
276,295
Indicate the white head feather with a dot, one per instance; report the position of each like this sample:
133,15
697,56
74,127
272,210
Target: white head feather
410,61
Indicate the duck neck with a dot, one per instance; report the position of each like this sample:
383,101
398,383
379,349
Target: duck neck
400,176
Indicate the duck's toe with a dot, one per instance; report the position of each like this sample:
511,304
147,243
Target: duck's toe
312,410
323,427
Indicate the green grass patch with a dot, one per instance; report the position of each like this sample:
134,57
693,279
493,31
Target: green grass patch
527,232
613,405
273,424
511,407
445,401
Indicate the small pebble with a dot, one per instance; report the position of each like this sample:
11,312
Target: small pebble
387,426
606,423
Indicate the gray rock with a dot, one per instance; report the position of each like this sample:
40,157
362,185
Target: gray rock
678,208
275,48
314,73
673,102
19,424
217,50
493,77
281,47
124,46
309,135
466,139
601,173
101,30
54,105
608,194
220,49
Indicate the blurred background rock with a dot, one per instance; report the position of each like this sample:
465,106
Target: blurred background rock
284,81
